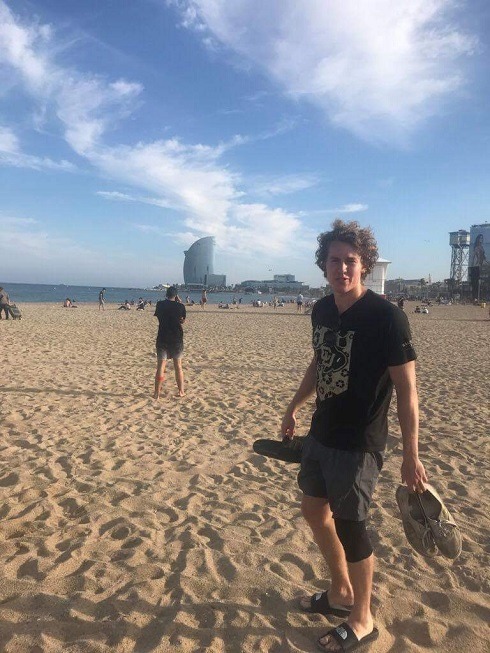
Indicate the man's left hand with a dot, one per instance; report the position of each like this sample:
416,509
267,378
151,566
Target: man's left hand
413,474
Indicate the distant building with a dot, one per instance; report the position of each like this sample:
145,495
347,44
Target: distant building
283,283
403,286
285,278
216,280
375,280
199,265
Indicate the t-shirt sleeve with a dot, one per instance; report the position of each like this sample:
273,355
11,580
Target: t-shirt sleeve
400,349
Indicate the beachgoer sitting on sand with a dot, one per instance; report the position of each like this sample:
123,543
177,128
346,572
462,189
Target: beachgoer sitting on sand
125,307
67,303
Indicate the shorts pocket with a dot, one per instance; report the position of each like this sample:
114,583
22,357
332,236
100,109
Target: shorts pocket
378,459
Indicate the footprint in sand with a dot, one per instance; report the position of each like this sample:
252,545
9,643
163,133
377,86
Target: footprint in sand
10,479
73,510
30,569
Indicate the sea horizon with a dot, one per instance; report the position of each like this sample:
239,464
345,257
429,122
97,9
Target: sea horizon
57,293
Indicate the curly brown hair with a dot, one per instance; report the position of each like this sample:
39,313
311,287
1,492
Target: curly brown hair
362,238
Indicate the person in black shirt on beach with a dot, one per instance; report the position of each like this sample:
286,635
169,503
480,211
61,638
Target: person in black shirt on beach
362,349
170,339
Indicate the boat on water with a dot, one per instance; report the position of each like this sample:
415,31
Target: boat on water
160,288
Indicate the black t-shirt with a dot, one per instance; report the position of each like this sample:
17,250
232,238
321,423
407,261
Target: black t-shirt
170,316
353,352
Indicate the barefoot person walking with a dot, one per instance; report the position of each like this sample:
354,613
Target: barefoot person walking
362,348
170,339
102,300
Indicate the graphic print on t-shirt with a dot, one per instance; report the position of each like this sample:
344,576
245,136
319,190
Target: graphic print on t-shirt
333,356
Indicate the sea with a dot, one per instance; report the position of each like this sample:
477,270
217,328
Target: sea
55,294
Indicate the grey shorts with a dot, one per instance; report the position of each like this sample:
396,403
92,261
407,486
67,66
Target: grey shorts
345,478
165,353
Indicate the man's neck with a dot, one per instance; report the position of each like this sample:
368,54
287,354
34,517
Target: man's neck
345,301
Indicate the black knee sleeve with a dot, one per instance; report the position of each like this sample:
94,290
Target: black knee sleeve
354,538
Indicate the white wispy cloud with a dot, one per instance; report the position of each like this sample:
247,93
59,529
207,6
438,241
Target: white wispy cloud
12,222
354,207
11,155
189,178
284,185
152,229
116,196
376,67
26,236
349,208
87,105
27,245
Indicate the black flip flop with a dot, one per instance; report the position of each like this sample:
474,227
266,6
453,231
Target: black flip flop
319,604
289,451
347,639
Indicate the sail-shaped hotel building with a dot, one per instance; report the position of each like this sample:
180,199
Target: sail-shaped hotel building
199,265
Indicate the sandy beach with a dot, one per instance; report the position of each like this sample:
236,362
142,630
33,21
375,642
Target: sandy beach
129,525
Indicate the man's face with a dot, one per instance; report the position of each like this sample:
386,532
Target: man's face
343,268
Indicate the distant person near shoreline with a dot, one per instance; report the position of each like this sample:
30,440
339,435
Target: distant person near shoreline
4,303
170,339
478,259
204,298
299,303
102,300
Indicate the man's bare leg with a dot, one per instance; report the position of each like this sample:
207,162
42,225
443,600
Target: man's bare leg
179,376
318,515
159,378
360,619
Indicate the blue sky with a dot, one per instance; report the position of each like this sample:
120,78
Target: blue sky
130,129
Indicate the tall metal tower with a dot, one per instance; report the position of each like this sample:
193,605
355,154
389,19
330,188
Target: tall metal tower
460,249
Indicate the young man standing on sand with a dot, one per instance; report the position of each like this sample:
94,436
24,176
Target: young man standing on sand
362,348
170,339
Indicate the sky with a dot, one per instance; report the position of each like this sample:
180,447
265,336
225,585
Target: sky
128,130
